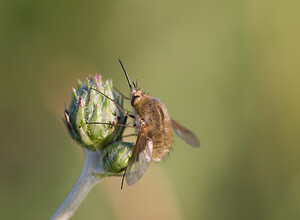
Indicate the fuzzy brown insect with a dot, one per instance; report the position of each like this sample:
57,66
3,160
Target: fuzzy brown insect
154,127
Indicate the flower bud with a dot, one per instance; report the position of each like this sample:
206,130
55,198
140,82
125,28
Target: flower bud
116,156
89,107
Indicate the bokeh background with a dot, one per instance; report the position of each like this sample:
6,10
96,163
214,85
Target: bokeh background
228,70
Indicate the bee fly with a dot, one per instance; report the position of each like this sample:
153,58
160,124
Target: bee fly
154,127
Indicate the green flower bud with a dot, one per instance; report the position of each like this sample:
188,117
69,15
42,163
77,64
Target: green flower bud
116,156
89,107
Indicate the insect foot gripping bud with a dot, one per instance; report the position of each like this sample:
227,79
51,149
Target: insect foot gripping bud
96,121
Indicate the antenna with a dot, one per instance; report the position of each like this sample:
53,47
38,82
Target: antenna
128,80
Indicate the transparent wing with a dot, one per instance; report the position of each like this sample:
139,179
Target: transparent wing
141,156
185,134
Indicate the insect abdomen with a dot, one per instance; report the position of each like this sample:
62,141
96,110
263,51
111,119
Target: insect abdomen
156,116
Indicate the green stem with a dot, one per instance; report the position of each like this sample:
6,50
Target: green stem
86,181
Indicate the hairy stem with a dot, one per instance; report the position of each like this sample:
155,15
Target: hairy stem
86,181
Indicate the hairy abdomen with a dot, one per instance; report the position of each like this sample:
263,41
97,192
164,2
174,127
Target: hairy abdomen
155,115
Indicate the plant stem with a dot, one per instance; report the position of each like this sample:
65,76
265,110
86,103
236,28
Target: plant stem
86,181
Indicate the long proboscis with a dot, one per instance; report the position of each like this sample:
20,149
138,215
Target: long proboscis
127,77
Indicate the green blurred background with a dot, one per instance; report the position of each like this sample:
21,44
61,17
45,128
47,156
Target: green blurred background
228,70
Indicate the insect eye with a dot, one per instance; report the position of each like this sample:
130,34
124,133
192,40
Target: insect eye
133,99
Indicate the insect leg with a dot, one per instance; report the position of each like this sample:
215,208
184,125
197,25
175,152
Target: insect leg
110,124
122,183
129,135
112,101
121,94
